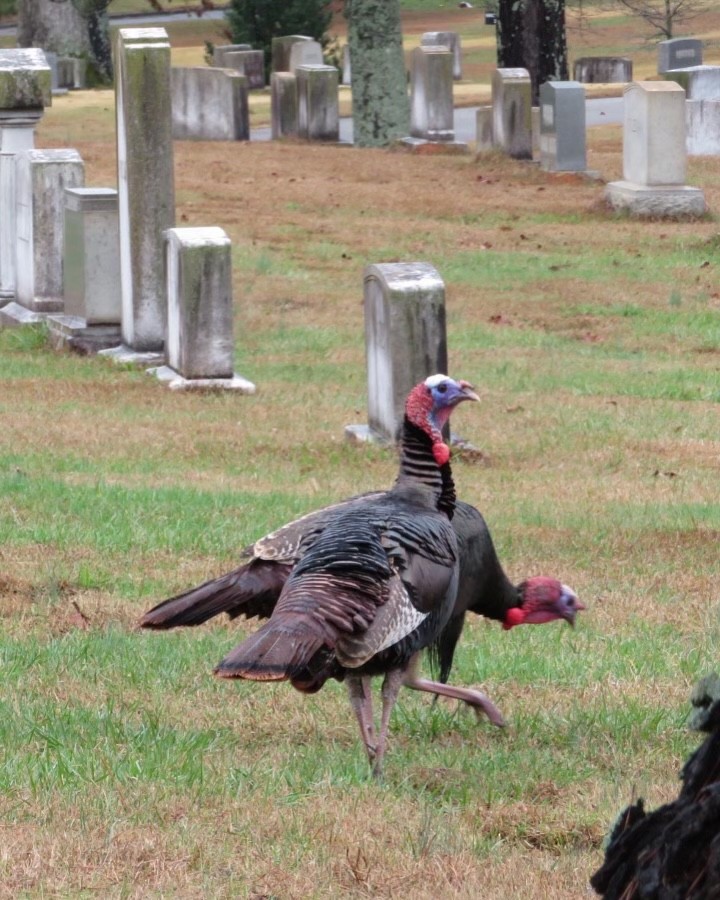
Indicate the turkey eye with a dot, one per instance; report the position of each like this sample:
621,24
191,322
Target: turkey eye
442,388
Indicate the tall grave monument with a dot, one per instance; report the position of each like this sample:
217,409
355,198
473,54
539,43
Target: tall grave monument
146,193
25,91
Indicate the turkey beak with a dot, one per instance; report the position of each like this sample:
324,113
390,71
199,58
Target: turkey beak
467,391
572,606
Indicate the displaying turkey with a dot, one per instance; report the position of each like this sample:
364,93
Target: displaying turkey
376,585
252,590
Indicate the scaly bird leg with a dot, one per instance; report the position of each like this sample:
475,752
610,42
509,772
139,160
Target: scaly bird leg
392,683
476,699
361,702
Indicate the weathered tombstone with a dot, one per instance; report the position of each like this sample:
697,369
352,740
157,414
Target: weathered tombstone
405,340
449,39
218,54
305,53
702,120
431,94
280,51
318,112
283,105
512,105
24,93
146,190
654,154
698,82
42,176
602,69
91,256
52,61
200,313
562,126
346,66
91,273
209,104
250,63
484,129
679,53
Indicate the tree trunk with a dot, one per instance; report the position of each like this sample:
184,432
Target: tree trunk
69,28
380,103
55,26
531,35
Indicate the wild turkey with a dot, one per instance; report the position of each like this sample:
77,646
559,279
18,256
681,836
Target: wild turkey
673,852
252,590
376,585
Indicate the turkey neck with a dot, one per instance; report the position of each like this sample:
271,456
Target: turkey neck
417,464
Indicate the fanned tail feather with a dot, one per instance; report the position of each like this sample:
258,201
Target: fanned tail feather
251,590
281,650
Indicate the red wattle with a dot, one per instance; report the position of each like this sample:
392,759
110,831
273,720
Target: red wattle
514,616
441,452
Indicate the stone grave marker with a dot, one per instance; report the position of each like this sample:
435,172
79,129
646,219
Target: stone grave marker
91,272
200,352
346,66
702,120
431,94
283,105
250,63
24,93
318,112
449,39
42,176
484,140
305,53
218,55
512,118
280,51
655,154
405,341
679,53
698,82
209,104
602,69
146,189
562,126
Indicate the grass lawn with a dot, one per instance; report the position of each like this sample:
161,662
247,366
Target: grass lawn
594,342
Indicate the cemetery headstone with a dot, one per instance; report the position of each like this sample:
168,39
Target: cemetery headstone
318,111
679,53
283,105
405,340
698,82
25,91
702,119
209,104
146,191
562,126
305,53
655,154
431,94
280,51
91,273
512,117
602,69
449,39
251,63
42,176
200,351
218,54
484,129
